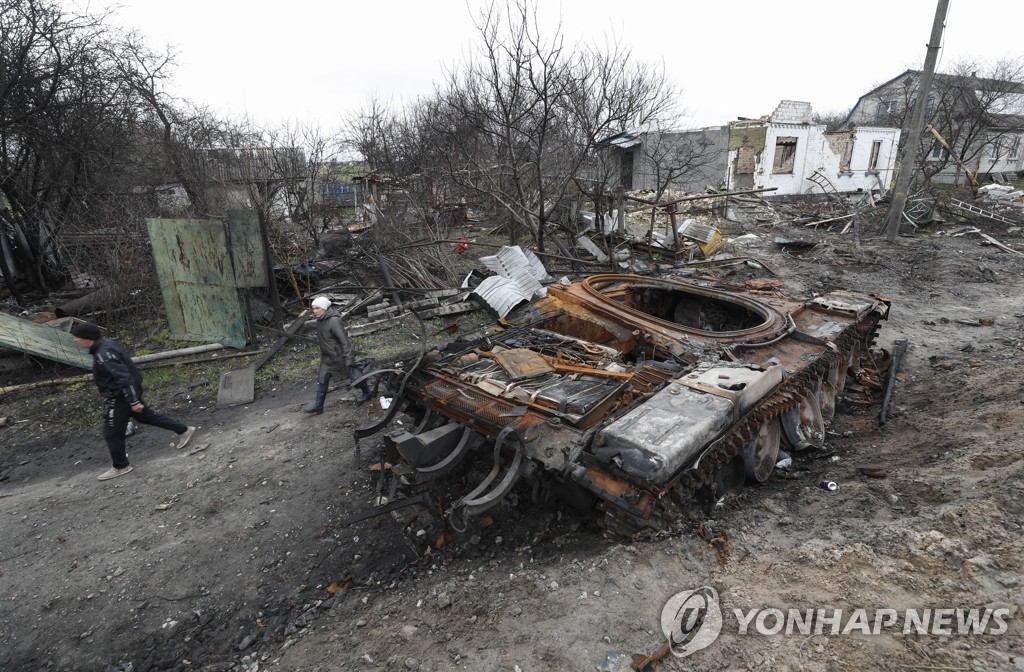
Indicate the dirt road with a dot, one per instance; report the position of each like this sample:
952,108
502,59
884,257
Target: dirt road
235,556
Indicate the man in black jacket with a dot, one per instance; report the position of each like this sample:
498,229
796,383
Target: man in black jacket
120,384
336,354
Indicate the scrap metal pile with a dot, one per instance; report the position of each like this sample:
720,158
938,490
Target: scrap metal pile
640,397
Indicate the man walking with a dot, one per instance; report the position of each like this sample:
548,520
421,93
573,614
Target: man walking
120,383
336,354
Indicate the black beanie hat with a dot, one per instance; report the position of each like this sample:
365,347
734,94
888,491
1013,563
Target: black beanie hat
86,330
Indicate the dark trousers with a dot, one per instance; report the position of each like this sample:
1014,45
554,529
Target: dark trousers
116,416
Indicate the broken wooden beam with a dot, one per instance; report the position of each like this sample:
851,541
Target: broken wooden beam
833,219
442,293
194,350
293,328
701,197
1000,245
397,310
373,327
452,309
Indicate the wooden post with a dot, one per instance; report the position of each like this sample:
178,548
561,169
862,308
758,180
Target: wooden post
672,223
899,196
620,209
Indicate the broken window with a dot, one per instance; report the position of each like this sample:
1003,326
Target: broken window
876,150
1014,149
785,155
994,150
844,162
938,152
883,110
929,107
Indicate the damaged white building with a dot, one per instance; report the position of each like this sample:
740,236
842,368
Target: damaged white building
785,151
788,152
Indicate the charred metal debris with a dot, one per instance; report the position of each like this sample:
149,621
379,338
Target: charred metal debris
640,398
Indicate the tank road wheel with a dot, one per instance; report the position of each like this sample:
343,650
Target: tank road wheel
762,451
804,426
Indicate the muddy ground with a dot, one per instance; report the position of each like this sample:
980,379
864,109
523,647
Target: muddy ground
237,556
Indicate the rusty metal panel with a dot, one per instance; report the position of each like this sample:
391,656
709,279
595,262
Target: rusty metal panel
247,253
197,279
43,341
522,363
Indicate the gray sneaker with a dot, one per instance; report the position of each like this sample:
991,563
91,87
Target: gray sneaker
114,473
186,437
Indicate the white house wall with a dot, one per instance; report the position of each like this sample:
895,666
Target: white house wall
859,176
808,152
814,152
1007,158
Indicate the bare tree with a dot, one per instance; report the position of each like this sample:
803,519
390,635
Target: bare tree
518,123
676,157
307,202
618,94
69,129
499,114
832,120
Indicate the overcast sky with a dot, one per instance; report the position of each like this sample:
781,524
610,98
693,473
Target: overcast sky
317,60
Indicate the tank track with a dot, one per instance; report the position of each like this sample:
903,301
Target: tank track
678,500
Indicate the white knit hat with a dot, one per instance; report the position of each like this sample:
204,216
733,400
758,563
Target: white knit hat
322,302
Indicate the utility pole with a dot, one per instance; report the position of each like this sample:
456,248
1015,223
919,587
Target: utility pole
899,196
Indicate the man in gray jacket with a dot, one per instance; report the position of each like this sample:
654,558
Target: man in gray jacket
336,354
120,383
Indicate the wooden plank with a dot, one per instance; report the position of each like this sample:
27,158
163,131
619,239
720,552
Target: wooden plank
591,247
1000,245
443,293
422,303
372,327
453,309
376,312
292,329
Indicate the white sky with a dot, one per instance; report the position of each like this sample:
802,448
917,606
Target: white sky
317,60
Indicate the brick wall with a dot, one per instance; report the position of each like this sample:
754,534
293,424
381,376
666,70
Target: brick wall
792,112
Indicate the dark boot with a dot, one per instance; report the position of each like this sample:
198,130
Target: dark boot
366,393
318,405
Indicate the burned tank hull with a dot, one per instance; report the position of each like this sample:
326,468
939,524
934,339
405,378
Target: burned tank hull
645,396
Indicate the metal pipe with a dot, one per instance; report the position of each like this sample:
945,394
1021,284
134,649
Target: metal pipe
890,383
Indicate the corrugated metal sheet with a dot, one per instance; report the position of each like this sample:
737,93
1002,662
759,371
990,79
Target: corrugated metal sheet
251,164
699,232
500,293
197,278
43,341
625,140
512,263
537,267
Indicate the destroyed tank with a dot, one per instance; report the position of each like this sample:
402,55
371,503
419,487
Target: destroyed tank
642,398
